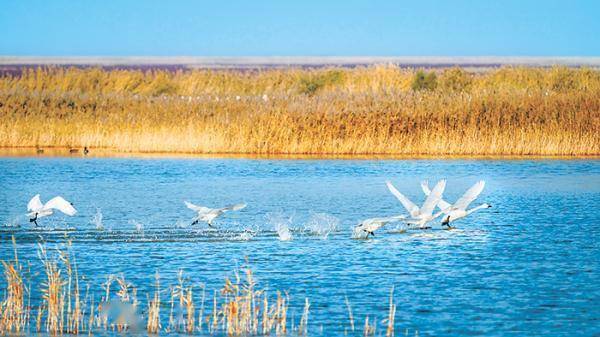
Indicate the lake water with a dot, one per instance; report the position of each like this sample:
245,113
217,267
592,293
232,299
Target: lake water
530,265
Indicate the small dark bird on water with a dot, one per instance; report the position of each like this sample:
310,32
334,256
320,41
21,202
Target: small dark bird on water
73,150
39,150
85,150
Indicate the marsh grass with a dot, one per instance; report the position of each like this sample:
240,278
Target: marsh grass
362,111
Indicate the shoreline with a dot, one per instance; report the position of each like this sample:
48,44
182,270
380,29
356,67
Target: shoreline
64,152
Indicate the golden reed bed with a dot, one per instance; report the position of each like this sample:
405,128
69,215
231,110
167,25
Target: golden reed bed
380,110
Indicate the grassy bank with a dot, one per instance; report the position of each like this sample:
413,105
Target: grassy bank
375,110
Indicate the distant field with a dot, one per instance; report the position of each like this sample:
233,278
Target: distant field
476,63
357,111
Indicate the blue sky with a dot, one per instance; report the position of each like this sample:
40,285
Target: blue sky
288,28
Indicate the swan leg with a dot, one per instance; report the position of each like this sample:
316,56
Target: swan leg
34,220
194,223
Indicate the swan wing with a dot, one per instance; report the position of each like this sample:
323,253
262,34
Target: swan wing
196,208
387,219
425,187
35,203
409,205
442,204
235,207
60,204
433,198
470,195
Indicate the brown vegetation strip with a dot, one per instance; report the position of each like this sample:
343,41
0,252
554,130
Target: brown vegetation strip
381,110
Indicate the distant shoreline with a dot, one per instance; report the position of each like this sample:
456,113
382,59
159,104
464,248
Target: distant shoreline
77,152
185,62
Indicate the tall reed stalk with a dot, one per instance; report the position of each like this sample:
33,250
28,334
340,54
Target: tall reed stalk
13,313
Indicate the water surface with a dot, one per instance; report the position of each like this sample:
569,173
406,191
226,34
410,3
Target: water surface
528,266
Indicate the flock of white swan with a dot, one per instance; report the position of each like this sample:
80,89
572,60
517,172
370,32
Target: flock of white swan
418,217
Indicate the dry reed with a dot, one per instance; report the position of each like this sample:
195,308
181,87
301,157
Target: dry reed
240,308
391,316
153,325
350,315
375,110
13,314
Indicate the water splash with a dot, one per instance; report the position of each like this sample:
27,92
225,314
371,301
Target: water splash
139,227
182,224
321,224
97,220
248,234
281,224
12,222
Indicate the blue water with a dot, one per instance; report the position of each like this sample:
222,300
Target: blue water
530,265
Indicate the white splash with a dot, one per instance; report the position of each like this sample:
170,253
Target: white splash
321,224
139,227
97,220
182,224
247,235
283,231
12,222
281,224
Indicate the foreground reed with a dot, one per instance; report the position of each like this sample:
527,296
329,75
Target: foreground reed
375,110
240,308
13,314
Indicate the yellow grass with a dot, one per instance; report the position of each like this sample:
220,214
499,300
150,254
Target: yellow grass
363,111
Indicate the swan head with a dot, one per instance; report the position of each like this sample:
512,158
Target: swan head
486,206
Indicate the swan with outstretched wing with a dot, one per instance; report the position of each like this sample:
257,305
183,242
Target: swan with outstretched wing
369,226
36,209
458,210
207,215
420,216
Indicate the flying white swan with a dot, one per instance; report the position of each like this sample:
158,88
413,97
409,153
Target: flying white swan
459,209
38,210
369,226
209,214
420,216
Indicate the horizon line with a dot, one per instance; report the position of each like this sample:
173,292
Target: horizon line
257,61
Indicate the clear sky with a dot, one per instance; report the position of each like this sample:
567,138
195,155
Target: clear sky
302,27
